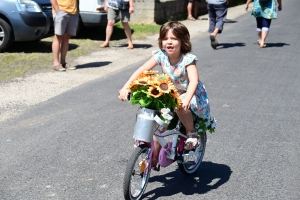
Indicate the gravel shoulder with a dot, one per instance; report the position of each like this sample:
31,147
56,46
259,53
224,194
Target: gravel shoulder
17,95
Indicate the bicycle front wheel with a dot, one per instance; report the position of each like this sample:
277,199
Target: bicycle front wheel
137,173
192,160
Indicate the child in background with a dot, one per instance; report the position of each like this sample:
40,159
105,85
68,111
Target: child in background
176,60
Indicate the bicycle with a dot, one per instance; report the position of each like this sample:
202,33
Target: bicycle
140,163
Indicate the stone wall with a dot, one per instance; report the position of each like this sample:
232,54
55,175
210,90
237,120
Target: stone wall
160,11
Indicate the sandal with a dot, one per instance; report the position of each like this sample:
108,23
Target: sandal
155,166
258,42
191,18
192,142
262,45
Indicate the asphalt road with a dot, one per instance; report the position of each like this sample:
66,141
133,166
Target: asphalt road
76,146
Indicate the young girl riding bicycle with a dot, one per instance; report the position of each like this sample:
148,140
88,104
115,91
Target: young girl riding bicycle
176,60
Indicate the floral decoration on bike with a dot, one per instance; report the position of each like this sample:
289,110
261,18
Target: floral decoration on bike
154,91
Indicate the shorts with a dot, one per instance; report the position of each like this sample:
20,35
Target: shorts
65,23
113,14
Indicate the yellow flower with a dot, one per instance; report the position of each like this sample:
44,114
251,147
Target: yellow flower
147,73
178,102
143,81
174,93
153,91
150,72
165,86
162,77
133,83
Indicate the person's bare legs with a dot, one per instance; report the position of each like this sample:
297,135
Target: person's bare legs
109,31
259,37
195,8
215,32
56,49
189,9
186,118
127,31
264,35
156,150
64,48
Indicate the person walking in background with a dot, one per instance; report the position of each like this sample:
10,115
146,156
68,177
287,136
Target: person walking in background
65,16
217,12
192,9
115,8
264,11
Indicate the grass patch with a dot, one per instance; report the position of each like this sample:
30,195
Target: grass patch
26,57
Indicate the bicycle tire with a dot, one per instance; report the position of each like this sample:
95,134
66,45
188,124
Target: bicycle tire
131,190
189,164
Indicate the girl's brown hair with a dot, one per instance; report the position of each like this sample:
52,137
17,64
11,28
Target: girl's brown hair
180,31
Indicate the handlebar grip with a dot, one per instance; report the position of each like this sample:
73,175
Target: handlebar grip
128,96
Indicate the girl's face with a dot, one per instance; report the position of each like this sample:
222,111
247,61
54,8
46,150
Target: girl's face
171,44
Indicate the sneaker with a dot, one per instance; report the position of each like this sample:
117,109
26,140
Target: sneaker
59,68
213,41
68,66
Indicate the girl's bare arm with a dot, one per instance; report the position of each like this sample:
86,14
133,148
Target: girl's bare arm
149,65
193,83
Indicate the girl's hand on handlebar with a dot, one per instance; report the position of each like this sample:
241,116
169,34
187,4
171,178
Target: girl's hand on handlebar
123,93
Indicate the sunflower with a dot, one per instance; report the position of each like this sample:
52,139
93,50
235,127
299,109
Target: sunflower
146,73
178,102
150,72
144,81
153,91
134,83
161,77
165,86
174,93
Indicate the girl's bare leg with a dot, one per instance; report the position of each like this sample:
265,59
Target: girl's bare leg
156,151
186,118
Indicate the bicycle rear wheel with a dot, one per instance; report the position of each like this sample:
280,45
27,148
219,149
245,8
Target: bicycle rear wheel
192,160
137,173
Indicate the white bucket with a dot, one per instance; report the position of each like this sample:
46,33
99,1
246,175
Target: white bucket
145,124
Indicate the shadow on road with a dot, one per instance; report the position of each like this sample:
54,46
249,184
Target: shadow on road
93,65
276,44
230,21
137,46
230,45
209,177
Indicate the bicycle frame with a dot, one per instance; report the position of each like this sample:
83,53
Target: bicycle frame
170,149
